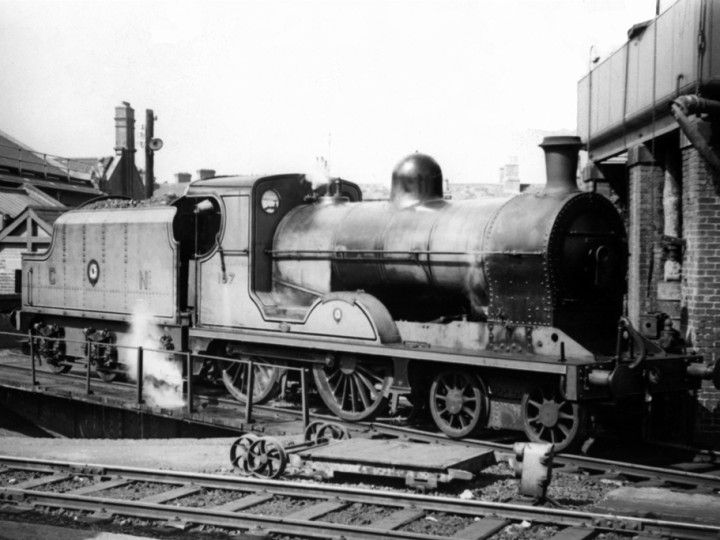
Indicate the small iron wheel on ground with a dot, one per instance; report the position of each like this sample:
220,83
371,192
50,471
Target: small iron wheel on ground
458,403
266,458
239,452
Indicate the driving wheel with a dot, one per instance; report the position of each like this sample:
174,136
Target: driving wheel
458,402
266,380
353,389
549,418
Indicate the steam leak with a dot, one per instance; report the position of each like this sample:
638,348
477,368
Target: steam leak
162,375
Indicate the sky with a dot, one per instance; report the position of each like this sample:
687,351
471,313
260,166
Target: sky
270,86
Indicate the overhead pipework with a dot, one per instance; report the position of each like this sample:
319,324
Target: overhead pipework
685,106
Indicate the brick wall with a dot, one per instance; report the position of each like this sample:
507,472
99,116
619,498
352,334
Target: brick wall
701,277
645,217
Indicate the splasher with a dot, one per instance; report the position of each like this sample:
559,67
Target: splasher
162,376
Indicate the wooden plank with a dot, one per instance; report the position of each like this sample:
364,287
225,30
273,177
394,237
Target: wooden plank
399,453
397,519
38,482
575,533
671,505
243,502
316,510
177,493
483,528
101,486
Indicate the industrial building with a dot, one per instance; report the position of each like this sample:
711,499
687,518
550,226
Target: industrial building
649,117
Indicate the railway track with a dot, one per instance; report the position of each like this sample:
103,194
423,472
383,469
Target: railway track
681,476
675,476
267,507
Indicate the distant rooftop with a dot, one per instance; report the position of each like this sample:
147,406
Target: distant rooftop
18,162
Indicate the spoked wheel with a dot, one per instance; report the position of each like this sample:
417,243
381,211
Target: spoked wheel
458,403
239,452
266,380
319,431
267,458
549,418
310,434
353,389
59,367
55,360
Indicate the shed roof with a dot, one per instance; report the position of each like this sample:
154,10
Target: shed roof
17,158
14,201
80,187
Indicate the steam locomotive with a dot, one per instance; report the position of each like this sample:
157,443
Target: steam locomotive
501,313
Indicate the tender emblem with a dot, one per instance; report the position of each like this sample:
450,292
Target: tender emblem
93,272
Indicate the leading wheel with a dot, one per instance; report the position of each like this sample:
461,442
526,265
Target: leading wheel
549,418
458,402
266,380
353,389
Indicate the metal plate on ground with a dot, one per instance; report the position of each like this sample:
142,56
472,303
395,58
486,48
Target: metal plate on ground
422,465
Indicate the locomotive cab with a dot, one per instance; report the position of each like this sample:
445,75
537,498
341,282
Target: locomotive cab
196,227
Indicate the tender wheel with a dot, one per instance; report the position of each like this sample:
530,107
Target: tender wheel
107,376
267,458
239,452
353,389
458,403
549,418
266,381
49,347
58,367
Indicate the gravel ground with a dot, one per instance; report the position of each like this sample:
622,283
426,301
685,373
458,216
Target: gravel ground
191,455
496,483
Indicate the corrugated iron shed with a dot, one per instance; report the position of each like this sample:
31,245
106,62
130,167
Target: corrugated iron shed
14,201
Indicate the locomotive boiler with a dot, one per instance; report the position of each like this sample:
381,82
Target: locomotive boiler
553,258
501,313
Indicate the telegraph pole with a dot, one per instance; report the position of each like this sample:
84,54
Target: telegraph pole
149,153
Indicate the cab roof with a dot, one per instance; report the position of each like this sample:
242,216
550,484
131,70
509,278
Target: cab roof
236,182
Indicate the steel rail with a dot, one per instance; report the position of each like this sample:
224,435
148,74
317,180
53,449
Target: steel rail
629,470
244,520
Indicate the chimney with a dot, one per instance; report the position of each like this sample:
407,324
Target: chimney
182,177
124,128
204,174
561,159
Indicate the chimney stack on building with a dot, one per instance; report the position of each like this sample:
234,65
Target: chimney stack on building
124,128
204,174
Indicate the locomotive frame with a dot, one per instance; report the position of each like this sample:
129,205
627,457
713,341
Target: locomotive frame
266,267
